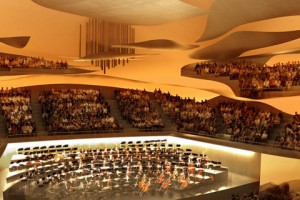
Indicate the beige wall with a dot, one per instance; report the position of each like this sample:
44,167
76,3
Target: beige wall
278,169
53,34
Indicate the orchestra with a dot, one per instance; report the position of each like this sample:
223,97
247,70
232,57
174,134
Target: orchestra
143,169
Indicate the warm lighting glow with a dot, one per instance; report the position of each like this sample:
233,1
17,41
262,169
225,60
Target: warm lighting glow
214,146
118,140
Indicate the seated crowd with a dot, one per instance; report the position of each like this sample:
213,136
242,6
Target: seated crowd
76,110
15,106
255,78
290,137
188,114
137,108
8,62
247,123
249,196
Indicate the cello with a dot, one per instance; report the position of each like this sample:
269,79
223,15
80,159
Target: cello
160,179
185,183
166,184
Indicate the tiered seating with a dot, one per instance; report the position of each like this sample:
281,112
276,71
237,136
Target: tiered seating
8,62
290,137
187,114
129,167
137,108
253,78
15,106
246,123
76,111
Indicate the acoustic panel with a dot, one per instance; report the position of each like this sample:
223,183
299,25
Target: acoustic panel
17,42
158,44
239,42
226,15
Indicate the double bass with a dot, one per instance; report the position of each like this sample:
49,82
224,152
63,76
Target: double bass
145,187
142,182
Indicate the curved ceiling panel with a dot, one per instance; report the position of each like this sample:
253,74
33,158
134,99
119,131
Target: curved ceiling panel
263,58
240,42
146,12
17,42
225,15
159,44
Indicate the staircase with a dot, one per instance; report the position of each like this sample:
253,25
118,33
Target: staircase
37,114
221,127
2,126
116,113
169,125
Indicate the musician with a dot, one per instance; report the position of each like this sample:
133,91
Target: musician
80,161
167,166
185,183
160,178
166,184
180,179
145,187
142,182
175,172
140,167
191,168
199,176
149,167
198,163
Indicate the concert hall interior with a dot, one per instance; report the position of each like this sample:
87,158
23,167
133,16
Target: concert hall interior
174,99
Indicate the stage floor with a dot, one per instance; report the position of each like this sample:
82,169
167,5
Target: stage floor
234,180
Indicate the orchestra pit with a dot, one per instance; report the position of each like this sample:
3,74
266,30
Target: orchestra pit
173,99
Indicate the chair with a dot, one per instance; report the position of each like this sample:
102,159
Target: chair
20,150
